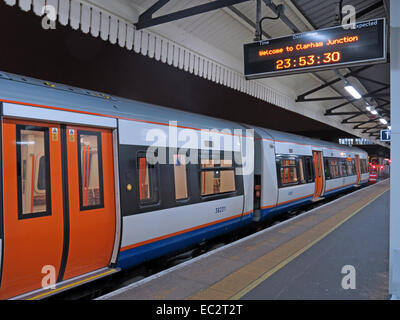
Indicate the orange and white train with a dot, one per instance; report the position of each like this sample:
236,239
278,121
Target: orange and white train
92,184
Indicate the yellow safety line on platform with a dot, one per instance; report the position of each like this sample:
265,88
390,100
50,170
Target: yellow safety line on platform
223,294
298,253
72,285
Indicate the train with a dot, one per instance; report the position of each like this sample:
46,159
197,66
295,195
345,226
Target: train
92,182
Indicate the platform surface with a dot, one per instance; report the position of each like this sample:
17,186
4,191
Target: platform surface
301,258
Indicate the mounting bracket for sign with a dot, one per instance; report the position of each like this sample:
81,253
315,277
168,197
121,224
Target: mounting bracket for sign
146,19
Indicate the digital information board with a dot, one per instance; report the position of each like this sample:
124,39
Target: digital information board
317,50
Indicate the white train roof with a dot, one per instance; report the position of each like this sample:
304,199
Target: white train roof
277,136
38,92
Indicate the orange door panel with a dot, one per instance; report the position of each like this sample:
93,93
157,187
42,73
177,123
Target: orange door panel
319,179
91,199
358,169
322,178
33,205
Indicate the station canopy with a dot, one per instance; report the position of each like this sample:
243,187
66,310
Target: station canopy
206,38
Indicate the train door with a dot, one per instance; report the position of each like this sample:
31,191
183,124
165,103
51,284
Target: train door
55,223
33,205
358,168
319,174
91,199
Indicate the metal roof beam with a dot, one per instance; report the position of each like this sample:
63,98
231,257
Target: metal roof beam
148,21
372,80
283,17
377,127
153,9
301,97
344,113
340,105
349,118
242,16
369,9
373,94
364,122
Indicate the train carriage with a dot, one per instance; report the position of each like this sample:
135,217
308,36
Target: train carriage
93,183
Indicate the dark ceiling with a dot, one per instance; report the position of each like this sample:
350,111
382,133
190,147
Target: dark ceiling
73,58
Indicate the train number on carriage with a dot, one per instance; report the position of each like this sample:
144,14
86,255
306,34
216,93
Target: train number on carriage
220,209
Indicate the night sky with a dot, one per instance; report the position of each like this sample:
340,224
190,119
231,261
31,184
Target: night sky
73,58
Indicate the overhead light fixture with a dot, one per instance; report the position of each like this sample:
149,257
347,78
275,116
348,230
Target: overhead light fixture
383,121
350,89
374,112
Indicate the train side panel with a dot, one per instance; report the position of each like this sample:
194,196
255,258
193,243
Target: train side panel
290,197
269,182
164,226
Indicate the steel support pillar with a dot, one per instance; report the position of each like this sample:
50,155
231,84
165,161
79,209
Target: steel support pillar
394,244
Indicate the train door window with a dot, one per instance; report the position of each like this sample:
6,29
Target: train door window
327,169
90,170
41,183
301,170
334,171
342,168
364,166
148,193
180,177
33,171
309,169
350,169
319,167
217,175
353,164
288,172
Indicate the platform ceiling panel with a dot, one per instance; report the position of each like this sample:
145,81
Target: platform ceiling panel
323,14
209,45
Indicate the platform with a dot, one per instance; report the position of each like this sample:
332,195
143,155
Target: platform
301,258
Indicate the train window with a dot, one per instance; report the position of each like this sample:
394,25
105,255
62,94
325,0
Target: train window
327,171
334,168
90,170
342,168
301,170
180,177
148,191
350,167
33,171
364,166
41,181
145,191
309,171
288,172
217,176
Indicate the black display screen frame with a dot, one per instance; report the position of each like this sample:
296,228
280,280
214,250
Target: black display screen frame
369,48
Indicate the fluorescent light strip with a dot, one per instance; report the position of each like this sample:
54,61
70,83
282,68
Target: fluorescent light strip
350,89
